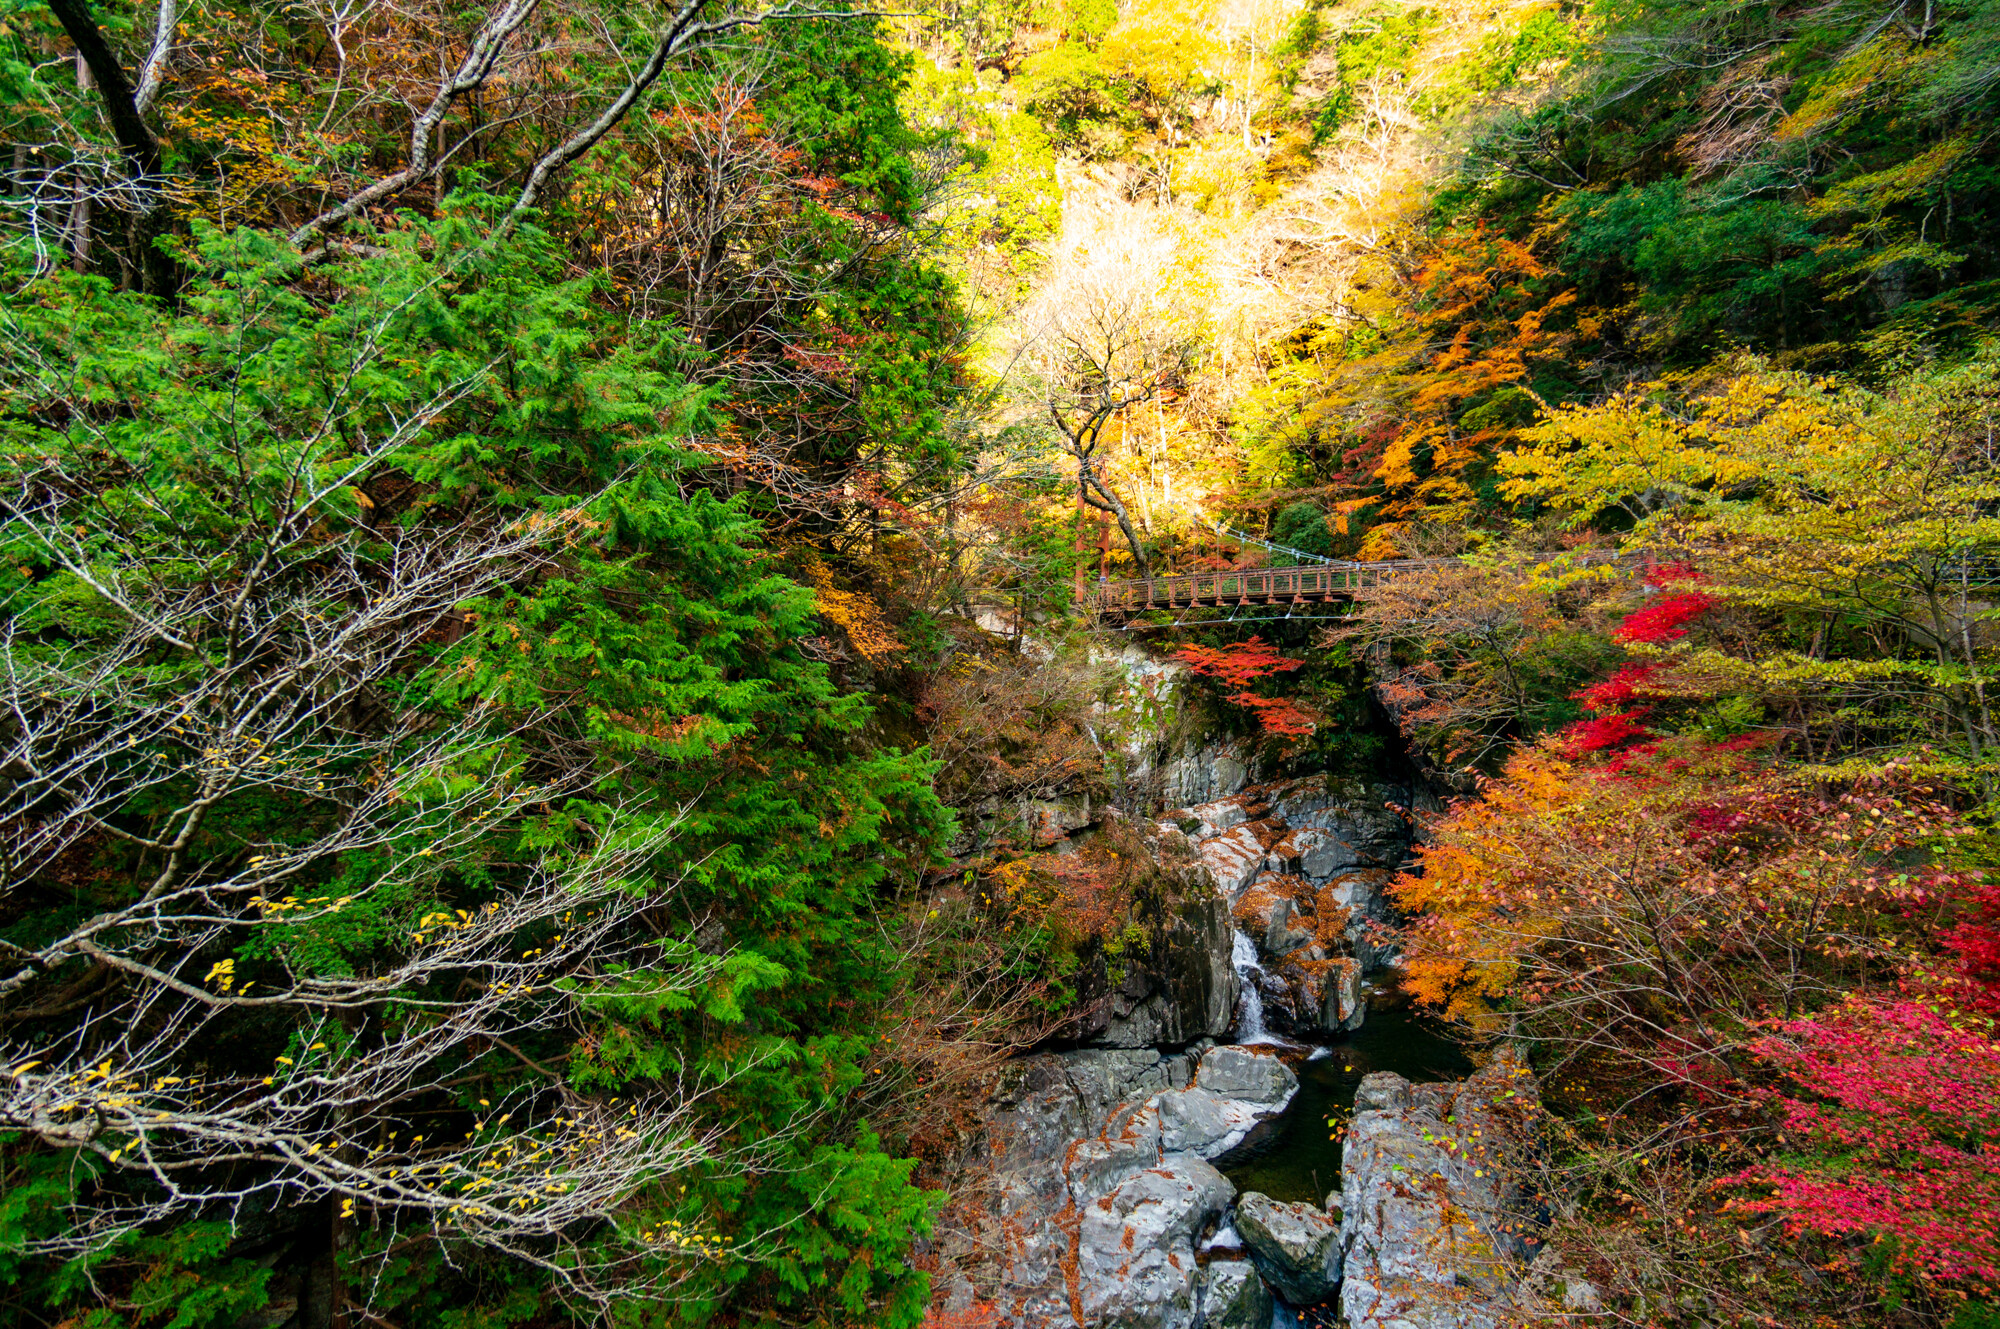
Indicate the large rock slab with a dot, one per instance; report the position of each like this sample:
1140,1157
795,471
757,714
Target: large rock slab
1434,1223
1135,1246
1296,1247
1205,774
1254,1075
1234,858
1215,818
1206,1124
1181,988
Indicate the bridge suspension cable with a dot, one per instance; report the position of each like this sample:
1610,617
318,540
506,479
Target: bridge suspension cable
1296,555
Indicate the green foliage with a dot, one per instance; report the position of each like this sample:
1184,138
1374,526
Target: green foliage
1797,186
668,650
1379,42
1079,104
1008,181
1302,526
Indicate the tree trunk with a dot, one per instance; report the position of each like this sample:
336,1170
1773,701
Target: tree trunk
1111,503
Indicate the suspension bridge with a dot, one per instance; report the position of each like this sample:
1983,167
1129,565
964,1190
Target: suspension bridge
1286,589
1295,580
1299,584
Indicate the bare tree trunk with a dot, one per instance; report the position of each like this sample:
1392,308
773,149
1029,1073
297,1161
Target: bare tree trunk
79,210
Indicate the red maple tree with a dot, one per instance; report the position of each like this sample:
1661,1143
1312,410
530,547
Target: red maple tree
1242,663
1899,1100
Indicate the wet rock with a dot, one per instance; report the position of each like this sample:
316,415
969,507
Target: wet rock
1322,853
1234,858
1088,1179
1135,1246
1433,1223
1206,1124
1343,1006
1255,1075
1295,1246
1233,1296
1181,988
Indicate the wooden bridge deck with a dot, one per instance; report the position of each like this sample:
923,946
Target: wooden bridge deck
1311,583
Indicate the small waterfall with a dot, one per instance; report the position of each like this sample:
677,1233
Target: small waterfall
1250,1020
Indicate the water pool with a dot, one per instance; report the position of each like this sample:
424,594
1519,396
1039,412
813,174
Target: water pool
1299,1162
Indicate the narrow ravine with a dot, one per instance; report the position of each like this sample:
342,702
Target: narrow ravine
1301,1159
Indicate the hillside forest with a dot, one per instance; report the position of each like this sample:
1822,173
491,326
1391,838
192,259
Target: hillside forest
534,528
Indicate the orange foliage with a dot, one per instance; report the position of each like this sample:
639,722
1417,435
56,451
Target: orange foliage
858,617
1476,298
1648,910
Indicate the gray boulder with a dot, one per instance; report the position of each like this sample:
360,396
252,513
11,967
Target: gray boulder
1434,1226
1135,1246
1284,932
1295,1246
1233,1296
1254,1075
1344,1007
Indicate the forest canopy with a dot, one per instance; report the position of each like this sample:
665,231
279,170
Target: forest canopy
534,529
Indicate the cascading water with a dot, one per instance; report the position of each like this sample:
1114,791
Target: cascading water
1250,1017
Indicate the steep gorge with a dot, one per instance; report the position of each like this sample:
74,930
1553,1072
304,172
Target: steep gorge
1095,1189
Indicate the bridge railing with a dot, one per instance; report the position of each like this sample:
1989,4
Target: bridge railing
1335,579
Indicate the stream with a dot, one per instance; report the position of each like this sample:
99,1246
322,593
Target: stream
1301,1161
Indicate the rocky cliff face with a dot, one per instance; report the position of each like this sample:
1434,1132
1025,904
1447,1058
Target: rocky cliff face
1180,989
1304,865
1091,1198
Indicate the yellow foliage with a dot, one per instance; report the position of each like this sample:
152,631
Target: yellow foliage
858,617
